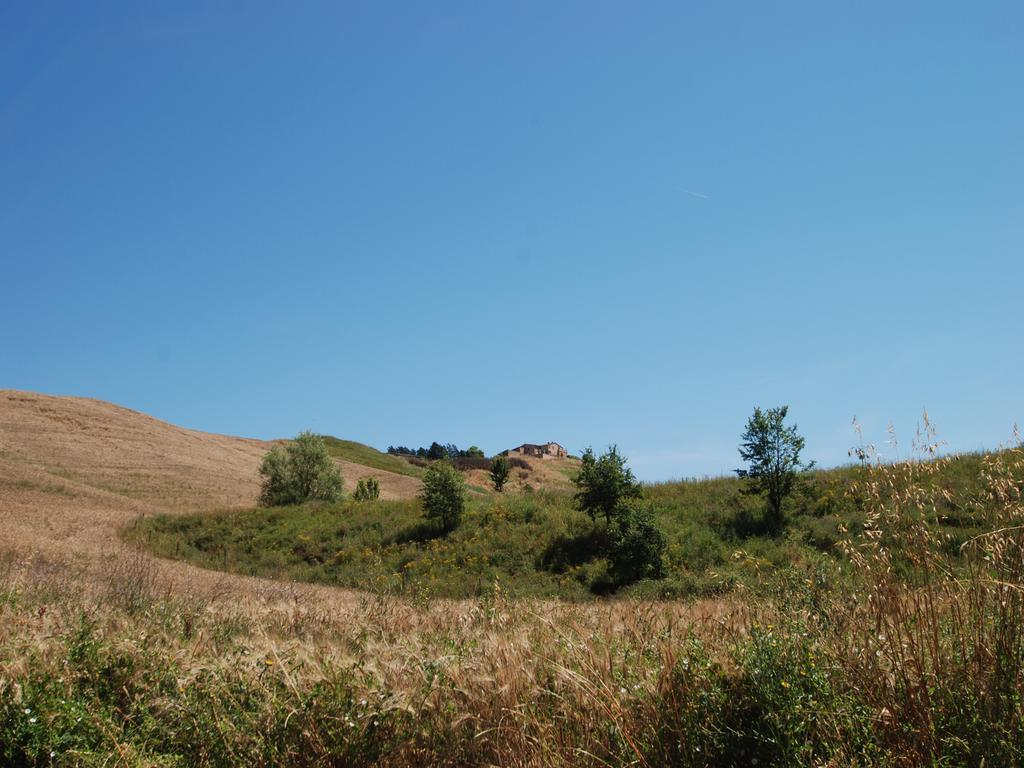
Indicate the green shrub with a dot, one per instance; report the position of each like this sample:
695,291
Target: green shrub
299,472
367,489
443,495
499,472
636,546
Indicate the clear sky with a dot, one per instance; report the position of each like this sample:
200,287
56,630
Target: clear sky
493,223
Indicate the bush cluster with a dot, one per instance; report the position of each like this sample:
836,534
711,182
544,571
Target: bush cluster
300,471
367,489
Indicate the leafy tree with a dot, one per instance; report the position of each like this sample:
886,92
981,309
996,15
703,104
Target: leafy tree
636,546
473,452
603,483
436,452
631,541
276,470
772,451
499,472
443,495
367,489
301,471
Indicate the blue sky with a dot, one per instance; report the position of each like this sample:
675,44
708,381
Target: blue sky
495,223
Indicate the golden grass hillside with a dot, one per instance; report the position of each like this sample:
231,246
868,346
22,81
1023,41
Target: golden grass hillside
73,469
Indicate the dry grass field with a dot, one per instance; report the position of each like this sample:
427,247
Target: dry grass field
72,470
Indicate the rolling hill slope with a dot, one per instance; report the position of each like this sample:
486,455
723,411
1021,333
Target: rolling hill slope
74,469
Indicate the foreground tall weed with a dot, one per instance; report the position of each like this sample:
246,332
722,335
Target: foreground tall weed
937,640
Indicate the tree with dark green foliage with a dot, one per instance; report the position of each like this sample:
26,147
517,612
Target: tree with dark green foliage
631,541
436,452
473,452
603,483
636,546
443,495
367,489
301,471
499,472
772,451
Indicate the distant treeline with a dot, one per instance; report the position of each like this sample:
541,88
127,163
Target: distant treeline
438,451
471,458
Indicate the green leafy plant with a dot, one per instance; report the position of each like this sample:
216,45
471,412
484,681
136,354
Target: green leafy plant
367,489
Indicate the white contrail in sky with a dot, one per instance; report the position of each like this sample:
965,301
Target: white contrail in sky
695,194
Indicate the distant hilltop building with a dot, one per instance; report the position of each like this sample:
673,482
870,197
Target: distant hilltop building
545,451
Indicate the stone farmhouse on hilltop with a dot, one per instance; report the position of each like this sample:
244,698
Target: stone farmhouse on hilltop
546,451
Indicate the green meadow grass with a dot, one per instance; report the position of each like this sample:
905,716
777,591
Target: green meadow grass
349,450
536,544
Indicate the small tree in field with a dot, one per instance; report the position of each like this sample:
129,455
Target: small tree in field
499,472
631,540
443,495
603,483
637,546
772,451
367,489
301,471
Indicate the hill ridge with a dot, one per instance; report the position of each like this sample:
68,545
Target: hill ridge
75,469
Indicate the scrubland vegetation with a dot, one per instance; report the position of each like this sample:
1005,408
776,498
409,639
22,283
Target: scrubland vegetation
540,544
879,622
